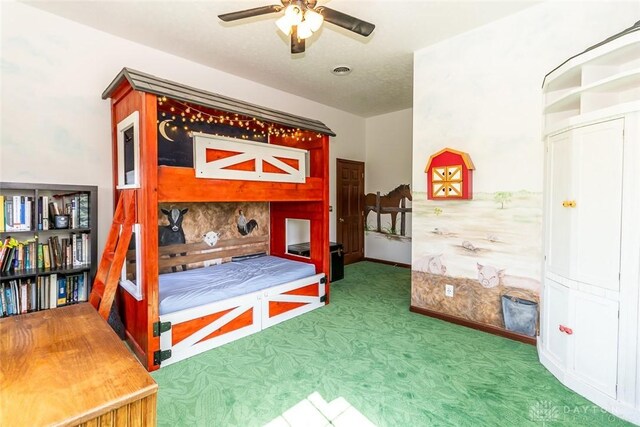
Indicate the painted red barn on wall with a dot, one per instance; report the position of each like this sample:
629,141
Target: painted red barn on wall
449,175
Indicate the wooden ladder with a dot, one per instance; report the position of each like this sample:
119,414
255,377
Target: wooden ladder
105,284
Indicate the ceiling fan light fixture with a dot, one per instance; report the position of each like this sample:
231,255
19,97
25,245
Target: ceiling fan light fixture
294,13
304,30
284,25
292,16
314,19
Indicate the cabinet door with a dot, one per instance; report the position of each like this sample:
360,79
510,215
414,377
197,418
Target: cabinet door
558,239
554,315
598,195
595,341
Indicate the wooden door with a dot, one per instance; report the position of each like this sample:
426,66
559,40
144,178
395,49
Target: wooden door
350,209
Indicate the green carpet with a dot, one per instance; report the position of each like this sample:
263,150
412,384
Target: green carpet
397,368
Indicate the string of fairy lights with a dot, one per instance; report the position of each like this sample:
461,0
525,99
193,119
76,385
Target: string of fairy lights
187,115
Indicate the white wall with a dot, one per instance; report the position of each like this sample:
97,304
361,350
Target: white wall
388,164
55,128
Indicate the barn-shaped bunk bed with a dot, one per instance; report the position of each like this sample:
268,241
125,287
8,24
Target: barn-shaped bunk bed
174,145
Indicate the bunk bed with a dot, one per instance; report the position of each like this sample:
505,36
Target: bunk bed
174,145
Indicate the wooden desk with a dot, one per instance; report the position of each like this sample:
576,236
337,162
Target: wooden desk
66,366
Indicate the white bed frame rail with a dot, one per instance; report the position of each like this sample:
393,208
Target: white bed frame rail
258,301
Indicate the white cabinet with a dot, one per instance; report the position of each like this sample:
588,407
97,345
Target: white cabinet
590,335
555,317
581,335
585,203
592,332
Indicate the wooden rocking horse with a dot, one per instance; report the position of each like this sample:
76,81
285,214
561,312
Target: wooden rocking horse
389,203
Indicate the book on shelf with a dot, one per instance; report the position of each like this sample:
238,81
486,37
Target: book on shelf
83,210
53,290
45,212
23,295
45,256
62,291
7,262
9,300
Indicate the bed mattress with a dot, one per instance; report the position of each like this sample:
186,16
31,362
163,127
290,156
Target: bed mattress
193,288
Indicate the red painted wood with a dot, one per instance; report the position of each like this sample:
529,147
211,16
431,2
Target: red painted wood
278,307
180,331
177,184
309,200
212,154
310,290
148,219
115,252
134,313
245,319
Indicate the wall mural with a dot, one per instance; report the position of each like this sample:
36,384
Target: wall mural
485,248
476,248
392,204
175,143
211,223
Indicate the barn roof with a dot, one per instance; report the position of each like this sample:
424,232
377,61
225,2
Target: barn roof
465,158
151,84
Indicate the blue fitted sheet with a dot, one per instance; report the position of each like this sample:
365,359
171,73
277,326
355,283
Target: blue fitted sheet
193,288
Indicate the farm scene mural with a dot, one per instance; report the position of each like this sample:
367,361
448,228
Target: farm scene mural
210,227
486,248
386,213
483,246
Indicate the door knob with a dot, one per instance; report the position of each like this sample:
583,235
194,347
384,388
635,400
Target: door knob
341,219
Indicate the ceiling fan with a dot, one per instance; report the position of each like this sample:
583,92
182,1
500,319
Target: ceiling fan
302,18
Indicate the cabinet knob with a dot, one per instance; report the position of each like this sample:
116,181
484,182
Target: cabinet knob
341,219
569,203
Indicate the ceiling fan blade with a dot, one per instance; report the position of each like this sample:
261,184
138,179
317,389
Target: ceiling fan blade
256,11
297,44
348,22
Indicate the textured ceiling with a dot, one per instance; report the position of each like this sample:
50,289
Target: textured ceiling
382,76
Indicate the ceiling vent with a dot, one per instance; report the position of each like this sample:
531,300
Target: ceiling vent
341,70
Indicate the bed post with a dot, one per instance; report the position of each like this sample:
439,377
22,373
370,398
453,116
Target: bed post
148,219
139,316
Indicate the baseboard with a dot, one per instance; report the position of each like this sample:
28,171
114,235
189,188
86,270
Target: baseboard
382,261
474,325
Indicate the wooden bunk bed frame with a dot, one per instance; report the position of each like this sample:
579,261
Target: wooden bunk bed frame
195,330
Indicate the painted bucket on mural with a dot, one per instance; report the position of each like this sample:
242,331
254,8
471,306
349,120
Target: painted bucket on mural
519,315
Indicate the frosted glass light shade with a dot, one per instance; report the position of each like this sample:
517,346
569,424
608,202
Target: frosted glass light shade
313,19
284,25
304,30
292,16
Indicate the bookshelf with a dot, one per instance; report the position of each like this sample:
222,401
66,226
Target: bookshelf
43,266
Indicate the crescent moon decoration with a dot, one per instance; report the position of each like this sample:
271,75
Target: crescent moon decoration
162,129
